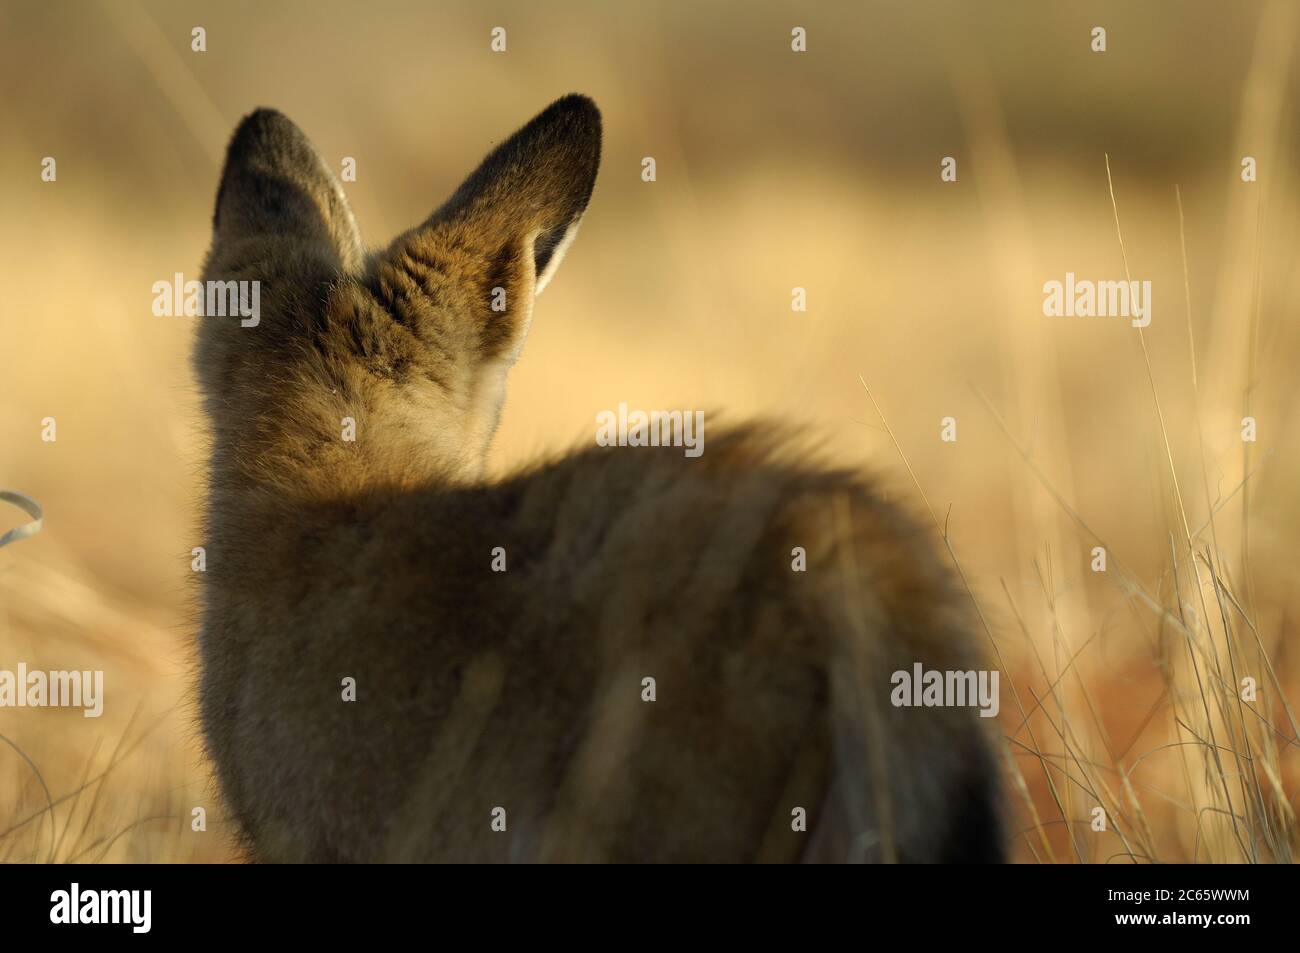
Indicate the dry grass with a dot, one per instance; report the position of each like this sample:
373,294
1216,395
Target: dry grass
774,171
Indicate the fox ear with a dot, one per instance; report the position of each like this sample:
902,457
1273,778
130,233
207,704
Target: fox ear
275,185
521,206
531,190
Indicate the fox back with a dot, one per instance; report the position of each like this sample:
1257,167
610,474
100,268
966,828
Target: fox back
608,656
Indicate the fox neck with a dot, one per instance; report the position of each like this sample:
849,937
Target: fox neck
322,442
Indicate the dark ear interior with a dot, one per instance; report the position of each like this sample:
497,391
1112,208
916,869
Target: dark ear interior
545,246
275,184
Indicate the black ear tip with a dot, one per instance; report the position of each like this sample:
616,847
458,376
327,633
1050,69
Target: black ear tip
578,113
263,115
578,104
263,126
264,139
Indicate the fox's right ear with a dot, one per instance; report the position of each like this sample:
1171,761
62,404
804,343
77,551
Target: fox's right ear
534,187
275,185
504,231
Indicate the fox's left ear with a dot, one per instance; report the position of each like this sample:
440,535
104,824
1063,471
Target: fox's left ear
275,185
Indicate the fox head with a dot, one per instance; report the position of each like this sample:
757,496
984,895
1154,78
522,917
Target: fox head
395,360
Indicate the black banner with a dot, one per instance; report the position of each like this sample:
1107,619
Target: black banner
139,904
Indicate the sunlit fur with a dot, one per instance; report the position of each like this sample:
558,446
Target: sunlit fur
372,560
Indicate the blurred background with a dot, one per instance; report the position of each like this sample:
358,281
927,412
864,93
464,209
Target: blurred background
775,170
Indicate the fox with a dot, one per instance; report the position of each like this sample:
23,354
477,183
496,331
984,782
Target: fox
615,654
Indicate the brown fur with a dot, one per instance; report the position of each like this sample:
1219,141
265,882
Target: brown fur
522,689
